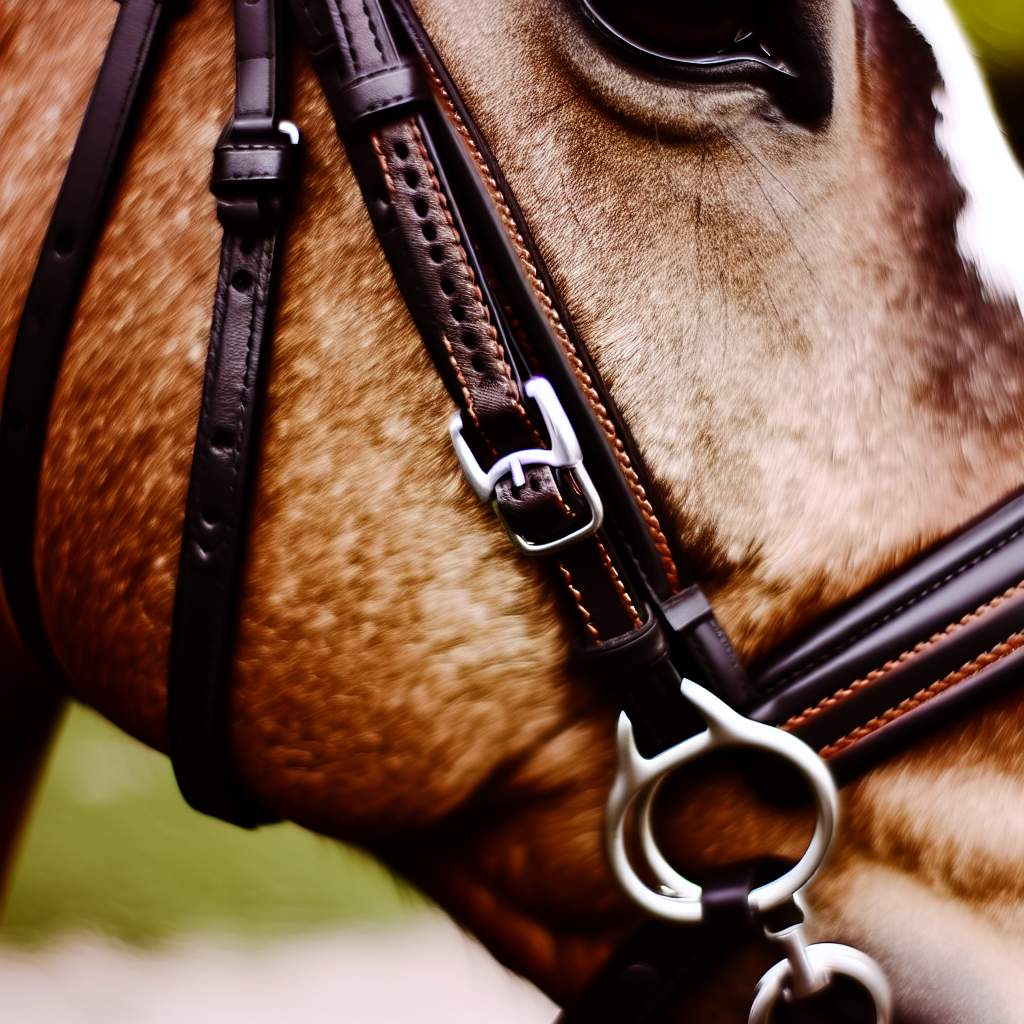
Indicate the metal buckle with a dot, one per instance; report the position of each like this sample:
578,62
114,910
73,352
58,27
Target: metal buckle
564,454
806,969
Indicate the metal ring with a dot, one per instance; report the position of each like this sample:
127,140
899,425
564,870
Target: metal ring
829,959
678,898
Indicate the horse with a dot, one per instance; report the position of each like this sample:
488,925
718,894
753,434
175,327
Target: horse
810,314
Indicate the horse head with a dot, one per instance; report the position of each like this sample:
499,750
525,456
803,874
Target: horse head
799,284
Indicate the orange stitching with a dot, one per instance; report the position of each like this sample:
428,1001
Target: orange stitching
627,601
470,407
513,390
586,382
578,598
379,150
971,668
827,703
492,331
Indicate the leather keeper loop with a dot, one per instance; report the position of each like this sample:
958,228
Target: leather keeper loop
357,105
625,655
687,609
241,167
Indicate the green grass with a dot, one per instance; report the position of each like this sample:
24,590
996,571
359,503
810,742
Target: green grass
112,848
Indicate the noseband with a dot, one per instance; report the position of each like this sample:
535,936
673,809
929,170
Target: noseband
539,438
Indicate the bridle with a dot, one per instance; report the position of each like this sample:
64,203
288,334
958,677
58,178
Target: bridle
537,436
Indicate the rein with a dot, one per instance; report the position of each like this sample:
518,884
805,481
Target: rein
538,437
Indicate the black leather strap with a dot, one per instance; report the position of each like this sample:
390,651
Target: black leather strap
254,169
68,249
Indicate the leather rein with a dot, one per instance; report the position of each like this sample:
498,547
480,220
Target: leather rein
537,436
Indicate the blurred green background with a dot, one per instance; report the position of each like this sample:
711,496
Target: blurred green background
112,848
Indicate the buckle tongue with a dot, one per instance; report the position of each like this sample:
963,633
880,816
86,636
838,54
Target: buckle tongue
564,454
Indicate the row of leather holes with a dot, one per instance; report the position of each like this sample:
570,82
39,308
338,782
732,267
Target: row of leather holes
437,254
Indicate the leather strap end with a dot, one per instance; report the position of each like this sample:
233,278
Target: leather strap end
623,656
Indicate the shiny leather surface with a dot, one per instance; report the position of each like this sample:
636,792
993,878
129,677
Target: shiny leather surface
913,618
67,253
253,167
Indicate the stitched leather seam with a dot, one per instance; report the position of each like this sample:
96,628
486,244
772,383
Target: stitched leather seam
384,102
513,390
470,407
584,378
373,29
620,588
379,150
844,693
846,642
233,146
491,330
370,75
482,310
967,671
349,44
578,598
249,176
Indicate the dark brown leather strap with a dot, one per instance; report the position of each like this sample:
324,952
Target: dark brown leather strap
485,311
254,169
645,557
68,249
912,653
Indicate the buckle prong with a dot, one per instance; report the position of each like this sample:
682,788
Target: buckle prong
564,454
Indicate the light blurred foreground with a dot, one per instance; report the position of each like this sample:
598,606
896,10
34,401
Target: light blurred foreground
129,907
426,973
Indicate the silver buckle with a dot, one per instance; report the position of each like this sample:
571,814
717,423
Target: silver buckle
564,453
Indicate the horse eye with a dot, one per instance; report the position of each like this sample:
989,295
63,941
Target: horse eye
692,32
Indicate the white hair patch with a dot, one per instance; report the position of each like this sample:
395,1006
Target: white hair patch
990,228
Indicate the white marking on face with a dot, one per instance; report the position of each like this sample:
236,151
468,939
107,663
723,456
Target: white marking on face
991,224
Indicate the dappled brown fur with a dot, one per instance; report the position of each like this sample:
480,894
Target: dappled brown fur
818,382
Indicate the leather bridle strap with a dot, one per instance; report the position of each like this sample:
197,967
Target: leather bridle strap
255,162
67,253
478,295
